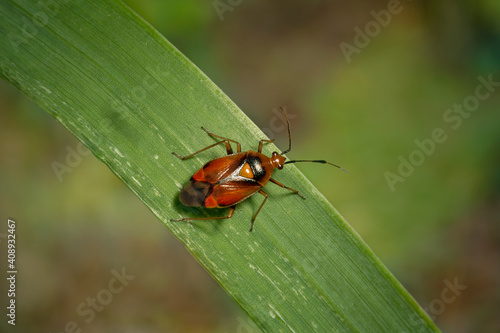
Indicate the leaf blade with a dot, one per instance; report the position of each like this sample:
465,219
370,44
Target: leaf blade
132,98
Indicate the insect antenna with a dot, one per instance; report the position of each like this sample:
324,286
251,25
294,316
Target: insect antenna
289,136
290,148
318,161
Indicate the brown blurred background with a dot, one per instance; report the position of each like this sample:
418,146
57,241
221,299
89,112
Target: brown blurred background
361,100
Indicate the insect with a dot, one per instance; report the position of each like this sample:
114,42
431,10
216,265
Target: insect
227,181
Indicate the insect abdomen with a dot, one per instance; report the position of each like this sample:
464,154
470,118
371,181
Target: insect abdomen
194,193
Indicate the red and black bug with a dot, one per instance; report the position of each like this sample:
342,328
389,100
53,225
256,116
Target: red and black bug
226,181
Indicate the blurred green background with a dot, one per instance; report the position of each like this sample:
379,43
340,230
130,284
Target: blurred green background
438,227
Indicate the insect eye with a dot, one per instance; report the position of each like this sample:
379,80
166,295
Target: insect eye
277,160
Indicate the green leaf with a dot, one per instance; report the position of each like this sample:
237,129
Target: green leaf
132,98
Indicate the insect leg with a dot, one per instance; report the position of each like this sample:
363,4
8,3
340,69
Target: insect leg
261,142
229,215
288,188
229,150
258,210
228,147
